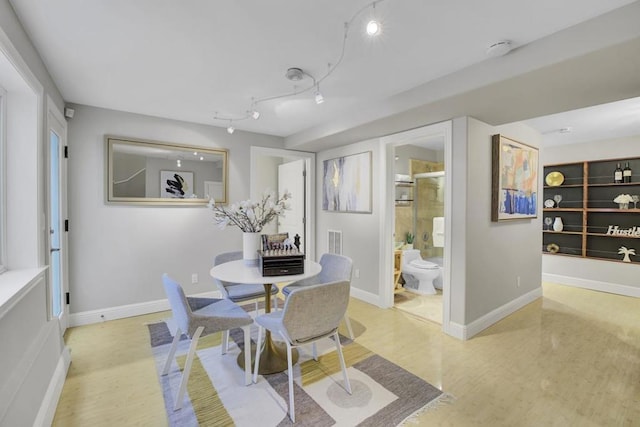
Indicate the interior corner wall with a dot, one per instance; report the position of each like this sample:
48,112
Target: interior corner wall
360,231
118,253
601,275
497,253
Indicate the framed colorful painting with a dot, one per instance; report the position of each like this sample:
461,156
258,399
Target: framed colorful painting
514,179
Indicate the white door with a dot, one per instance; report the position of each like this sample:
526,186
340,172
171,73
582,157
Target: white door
58,224
291,178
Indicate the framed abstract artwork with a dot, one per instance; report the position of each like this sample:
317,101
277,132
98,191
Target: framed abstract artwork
176,184
514,181
346,183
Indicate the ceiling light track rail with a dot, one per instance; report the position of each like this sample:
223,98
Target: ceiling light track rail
373,28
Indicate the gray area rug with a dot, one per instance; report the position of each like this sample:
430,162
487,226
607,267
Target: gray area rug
384,394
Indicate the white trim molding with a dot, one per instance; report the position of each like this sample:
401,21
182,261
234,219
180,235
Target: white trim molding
49,403
613,288
465,332
130,310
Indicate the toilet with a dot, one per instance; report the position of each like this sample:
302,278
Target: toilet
419,274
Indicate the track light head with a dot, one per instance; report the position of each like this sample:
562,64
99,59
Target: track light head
319,97
255,114
373,28
230,129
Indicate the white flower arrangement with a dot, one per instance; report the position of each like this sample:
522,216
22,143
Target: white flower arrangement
623,198
250,216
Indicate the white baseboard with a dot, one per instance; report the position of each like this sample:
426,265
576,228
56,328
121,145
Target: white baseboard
130,310
613,288
50,401
479,325
455,330
366,296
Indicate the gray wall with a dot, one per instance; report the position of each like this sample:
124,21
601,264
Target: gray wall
119,252
360,231
595,274
497,253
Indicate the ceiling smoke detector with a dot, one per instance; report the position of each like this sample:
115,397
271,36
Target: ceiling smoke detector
499,48
295,74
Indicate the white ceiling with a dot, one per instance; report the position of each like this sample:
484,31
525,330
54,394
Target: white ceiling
188,60
598,123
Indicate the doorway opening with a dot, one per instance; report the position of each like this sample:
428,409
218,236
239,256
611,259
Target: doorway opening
418,205
274,169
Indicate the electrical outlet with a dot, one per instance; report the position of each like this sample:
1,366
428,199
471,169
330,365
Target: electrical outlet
518,281
194,278
357,273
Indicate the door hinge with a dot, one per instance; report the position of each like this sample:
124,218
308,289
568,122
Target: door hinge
66,151
66,225
66,296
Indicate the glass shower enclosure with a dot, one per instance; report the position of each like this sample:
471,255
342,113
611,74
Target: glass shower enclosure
429,215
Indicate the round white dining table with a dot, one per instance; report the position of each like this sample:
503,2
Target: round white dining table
273,357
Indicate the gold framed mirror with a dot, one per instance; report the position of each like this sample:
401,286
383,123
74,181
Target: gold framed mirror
161,173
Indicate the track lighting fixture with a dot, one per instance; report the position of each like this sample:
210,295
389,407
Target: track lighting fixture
319,97
373,28
296,74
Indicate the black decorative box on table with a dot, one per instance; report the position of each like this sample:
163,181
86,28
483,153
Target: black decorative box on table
281,262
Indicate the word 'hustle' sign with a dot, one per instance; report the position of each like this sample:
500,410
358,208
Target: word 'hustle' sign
615,230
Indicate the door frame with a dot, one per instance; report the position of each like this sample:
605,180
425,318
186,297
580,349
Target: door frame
56,122
256,153
387,148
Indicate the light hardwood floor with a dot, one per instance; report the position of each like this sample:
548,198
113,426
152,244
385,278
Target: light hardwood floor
571,358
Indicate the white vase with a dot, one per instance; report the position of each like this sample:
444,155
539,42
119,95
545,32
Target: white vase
250,247
557,224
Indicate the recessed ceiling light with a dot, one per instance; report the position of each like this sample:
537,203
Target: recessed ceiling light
568,129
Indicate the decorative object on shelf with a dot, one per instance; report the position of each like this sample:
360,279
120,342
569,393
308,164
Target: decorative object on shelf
615,230
635,199
557,198
623,201
557,224
514,179
346,183
626,173
549,203
552,248
617,174
250,217
626,252
548,220
554,179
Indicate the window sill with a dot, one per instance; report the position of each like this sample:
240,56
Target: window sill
14,284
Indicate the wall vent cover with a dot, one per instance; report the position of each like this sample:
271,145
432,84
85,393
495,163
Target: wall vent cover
334,242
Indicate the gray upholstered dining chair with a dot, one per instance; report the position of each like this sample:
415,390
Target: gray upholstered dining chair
240,292
310,313
334,267
219,316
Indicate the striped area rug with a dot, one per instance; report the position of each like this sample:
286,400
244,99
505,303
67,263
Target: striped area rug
384,394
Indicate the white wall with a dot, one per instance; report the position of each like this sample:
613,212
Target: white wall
119,252
589,273
33,359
